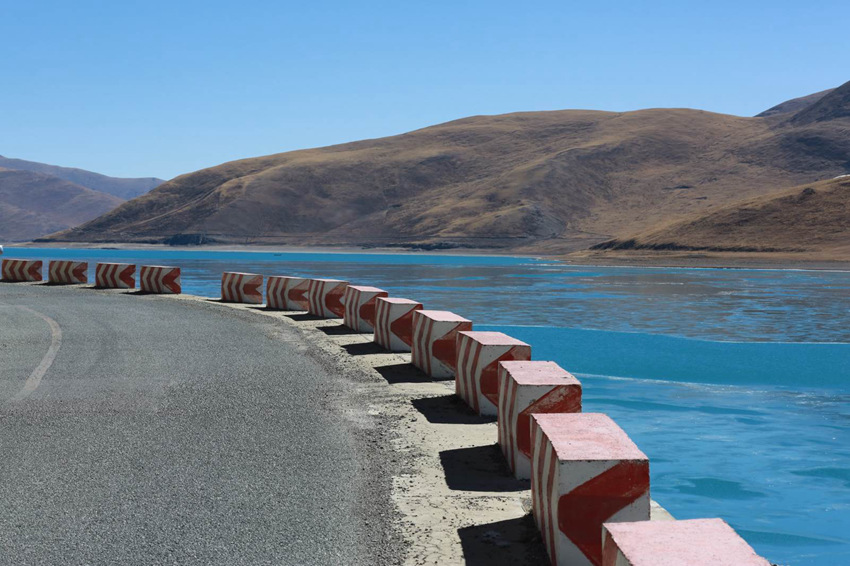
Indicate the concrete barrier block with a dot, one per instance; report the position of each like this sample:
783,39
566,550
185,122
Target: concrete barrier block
434,347
160,279
287,293
527,388
585,472
68,272
115,276
394,323
478,357
695,542
325,297
359,302
242,288
21,270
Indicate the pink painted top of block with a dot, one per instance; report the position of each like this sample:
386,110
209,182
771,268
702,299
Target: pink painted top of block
587,436
493,338
539,373
330,280
397,301
366,289
240,273
443,316
696,542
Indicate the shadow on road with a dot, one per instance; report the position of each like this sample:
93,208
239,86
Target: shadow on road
402,373
304,317
338,330
363,349
479,468
503,543
448,409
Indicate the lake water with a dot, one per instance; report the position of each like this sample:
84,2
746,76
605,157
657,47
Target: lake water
736,383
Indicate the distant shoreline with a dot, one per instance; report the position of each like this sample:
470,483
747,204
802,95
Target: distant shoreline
728,260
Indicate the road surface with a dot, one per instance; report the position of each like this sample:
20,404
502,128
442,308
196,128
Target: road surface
148,430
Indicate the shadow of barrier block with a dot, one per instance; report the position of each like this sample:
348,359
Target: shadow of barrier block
479,468
394,323
586,472
287,293
695,542
360,304
478,357
502,543
434,347
525,388
115,276
448,409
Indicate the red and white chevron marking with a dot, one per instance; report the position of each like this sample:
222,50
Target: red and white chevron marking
478,357
325,297
527,388
115,276
68,272
160,279
21,270
287,293
434,348
695,542
585,472
242,288
359,304
394,323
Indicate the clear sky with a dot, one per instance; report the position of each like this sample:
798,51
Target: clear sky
132,88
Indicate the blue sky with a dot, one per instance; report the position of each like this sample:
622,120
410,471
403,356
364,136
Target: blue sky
162,88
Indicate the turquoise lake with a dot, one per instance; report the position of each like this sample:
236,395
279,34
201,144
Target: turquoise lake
736,383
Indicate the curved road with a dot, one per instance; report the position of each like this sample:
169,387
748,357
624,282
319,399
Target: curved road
148,430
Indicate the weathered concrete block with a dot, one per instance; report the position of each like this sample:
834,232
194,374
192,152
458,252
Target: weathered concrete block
695,542
287,293
115,276
68,272
160,279
526,388
585,472
21,270
434,347
478,357
242,288
360,303
325,297
394,323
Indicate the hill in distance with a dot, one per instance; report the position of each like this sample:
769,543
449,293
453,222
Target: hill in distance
33,204
545,182
38,199
123,188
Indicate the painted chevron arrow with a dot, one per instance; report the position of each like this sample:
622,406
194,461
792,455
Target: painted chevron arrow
325,297
287,293
585,472
478,357
526,388
359,304
21,270
160,279
115,276
394,323
242,288
67,272
434,347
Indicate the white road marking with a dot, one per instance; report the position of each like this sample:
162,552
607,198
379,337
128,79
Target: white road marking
34,380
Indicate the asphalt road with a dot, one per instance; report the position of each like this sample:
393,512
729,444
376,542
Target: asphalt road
174,432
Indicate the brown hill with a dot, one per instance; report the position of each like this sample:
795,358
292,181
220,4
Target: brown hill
34,204
813,218
549,181
123,188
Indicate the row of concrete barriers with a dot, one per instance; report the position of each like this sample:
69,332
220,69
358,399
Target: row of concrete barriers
589,481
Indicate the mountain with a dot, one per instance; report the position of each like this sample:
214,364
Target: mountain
794,105
813,218
538,181
122,188
33,204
